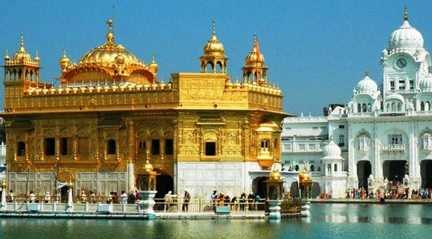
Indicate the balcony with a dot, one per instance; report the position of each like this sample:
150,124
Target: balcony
394,148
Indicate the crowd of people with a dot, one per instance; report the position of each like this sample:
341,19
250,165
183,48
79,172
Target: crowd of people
392,190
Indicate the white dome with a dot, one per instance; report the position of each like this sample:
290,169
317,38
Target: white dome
332,151
425,84
406,37
366,86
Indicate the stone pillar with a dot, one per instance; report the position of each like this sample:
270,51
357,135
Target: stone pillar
131,175
414,162
352,166
41,147
162,148
75,147
57,148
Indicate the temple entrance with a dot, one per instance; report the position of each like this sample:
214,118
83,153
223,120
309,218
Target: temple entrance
426,173
164,184
315,190
64,194
259,186
364,170
395,170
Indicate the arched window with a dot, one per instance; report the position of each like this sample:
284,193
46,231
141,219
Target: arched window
111,146
21,148
369,107
363,143
265,145
296,168
219,67
427,141
364,108
422,106
358,108
328,168
427,106
209,67
335,168
312,168
399,106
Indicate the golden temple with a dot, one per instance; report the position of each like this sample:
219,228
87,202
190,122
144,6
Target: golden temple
110,114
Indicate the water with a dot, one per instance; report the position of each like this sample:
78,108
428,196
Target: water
326,221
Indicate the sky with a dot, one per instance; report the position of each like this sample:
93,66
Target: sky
316,51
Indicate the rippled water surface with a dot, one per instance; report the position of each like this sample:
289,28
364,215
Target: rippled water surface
326,221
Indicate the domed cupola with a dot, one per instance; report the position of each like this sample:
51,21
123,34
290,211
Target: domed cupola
214,58
366,86
108,63
425,84
255,68
332,151
406,36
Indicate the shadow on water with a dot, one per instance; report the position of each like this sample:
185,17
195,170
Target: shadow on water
334,221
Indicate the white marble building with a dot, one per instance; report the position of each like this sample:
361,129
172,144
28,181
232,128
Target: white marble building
382,133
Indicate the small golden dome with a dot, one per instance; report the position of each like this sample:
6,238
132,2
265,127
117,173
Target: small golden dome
304,177
6,56
37,58
110,52
148,167
213,45
21,54
64,61
275,176
154,66
255,57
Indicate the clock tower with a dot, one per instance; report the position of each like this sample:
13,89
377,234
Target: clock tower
404,62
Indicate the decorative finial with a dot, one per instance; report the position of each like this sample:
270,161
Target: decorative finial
213,27
110,34
6,56
153,59
21,43
37,55
405,13
64,53
110,24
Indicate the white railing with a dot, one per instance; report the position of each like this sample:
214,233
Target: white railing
394,148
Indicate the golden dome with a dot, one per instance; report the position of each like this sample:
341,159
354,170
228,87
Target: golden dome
21,54
255,57
213,45
110,52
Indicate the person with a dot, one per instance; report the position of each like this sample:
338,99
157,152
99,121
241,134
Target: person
11,196
242,201
168,200
186,199
213,198
92,197
47,197
124,197
32,197
83,196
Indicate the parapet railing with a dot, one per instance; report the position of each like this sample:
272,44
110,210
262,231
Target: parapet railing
176,205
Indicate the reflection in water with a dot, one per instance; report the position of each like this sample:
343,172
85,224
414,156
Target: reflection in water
326,221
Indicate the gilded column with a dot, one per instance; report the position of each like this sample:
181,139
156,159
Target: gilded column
131,156
75,147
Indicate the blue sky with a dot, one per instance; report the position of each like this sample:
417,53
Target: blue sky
316,50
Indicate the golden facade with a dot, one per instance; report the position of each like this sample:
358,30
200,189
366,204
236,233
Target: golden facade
110,114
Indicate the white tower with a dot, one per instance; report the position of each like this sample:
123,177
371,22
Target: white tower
334,179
